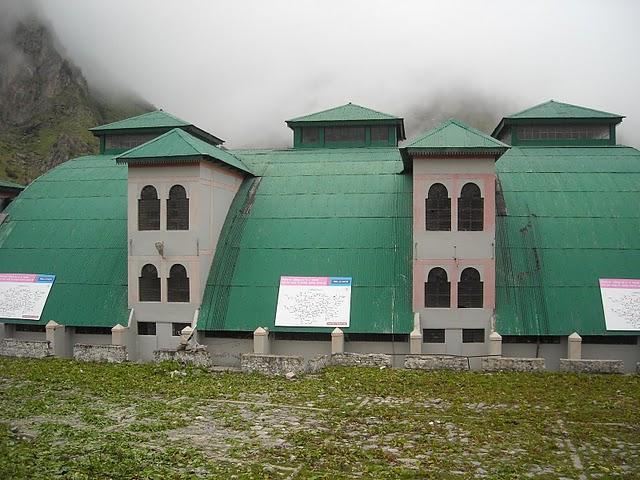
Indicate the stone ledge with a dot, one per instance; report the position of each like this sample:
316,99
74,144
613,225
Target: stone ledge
199,358
273,365
100,353
10,347
361,360
591,366
507,364
435,362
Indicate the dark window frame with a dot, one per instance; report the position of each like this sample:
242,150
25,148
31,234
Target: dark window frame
178,288
438,209
309,138
379,134
437,293
178,208
149,209
473,335
344,134
147,328
433,335
470,289
92,330
470,209
149,286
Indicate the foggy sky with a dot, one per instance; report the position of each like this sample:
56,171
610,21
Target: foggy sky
240,68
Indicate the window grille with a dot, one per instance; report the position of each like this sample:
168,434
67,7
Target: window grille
21,327
437,290
438,208
564,132
93,330
127,141
344,134
149,209
531,339
302,336
149,284
473,335
309,135
433,335
177,209
178,284
470,209
377,337
176,328
228,334
470,289
610,339
380,134
146,328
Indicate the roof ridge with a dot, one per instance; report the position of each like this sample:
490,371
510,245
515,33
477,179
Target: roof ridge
187,137
302,118
563,104
459,124
153,140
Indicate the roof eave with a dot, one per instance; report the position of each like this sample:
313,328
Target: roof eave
179,159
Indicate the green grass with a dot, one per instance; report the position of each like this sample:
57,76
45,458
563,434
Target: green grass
63,419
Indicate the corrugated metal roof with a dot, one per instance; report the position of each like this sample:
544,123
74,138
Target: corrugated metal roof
155,119
72,222
572,218
316,213
454,134
348,112
553,109
175,144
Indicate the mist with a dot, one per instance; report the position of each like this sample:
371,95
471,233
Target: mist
240,69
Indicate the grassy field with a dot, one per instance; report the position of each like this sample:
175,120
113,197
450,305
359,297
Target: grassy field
63,419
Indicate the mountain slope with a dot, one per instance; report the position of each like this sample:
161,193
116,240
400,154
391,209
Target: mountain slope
46,105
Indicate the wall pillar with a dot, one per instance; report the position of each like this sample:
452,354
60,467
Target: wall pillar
415,338
9,330
3,329
495,344
337,341
574,347
119,335
185,336
57,337
261,344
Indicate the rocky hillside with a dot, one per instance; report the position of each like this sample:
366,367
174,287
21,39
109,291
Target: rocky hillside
46,105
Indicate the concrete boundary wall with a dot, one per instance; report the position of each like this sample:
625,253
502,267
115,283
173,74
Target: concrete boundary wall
198,358
435,362
503,364
376,360
10,347
591,366
85,352
273,365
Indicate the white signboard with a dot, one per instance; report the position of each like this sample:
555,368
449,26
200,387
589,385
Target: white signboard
314,302
23,295
621,303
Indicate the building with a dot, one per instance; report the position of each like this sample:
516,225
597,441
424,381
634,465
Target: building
448,238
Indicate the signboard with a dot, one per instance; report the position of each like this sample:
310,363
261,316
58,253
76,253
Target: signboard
314,302
23,295
621,303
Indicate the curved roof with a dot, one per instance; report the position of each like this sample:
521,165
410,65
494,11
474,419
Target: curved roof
72,223
316,212
571,218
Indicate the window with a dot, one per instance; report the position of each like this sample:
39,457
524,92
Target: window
302,336
344,134
177,328
177,209
546,339
376,337
93,330
610,339
380,134
470,289
470,209
228,334
437,290
127,141
146,328
564,132
21,327
473,335
433,335
309,135
149,284
438,208
149,209
178,284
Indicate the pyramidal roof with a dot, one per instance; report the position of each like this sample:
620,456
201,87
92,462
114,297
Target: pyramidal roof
455,135
177,145
345,113
155,119
553,109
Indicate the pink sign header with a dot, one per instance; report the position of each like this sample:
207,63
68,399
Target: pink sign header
18,277
305,281
620,283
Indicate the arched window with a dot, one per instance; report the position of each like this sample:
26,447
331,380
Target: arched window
148,209
438,208
177,209
470,209
437,290
149,284
470,289
178,284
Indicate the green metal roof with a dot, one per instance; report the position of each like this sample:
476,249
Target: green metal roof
8,184
455,135
553,109
571,218
155,119
72,222
348,112
337,212
176,145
